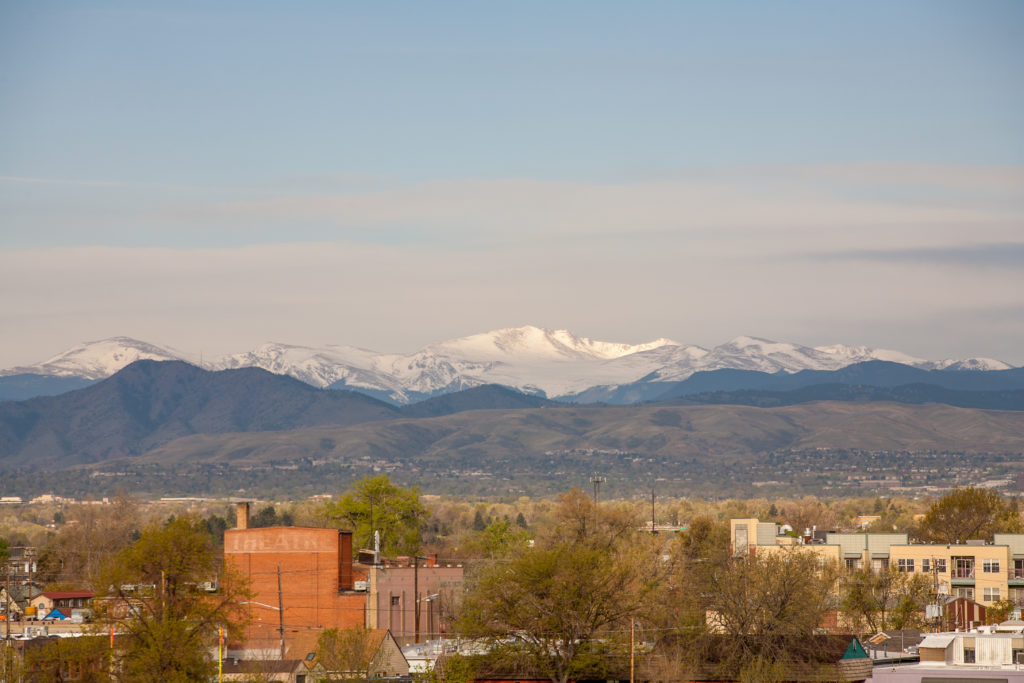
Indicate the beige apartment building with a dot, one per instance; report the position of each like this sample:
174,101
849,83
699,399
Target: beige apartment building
983,572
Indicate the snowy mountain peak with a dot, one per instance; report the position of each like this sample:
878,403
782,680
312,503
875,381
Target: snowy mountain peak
538,343
557,362
972,364
98,359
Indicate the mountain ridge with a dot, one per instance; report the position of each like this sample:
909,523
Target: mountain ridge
550,363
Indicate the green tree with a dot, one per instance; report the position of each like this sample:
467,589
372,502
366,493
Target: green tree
159,602
345,653
969,513
999,611
887,599
564,604
478,520
85,659
376,504
268,516
499,539
705,540
757,608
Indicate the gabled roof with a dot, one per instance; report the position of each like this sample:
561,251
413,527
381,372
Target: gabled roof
304,644
62,595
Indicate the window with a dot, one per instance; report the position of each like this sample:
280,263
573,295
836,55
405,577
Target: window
969,657
940,565
396,600
905,564
990,594
926,565
990,566
965,593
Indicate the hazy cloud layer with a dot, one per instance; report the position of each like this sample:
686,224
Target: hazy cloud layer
901,257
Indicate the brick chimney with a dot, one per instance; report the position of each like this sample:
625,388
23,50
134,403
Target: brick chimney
242,515
346,581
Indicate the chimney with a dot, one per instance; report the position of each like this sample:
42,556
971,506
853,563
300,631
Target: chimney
242,515
345,579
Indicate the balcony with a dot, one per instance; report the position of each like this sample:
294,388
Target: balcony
962,576
1016,576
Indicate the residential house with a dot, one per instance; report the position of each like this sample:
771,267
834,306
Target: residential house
270,671
59,604
385,661
21,564
978,657
20,597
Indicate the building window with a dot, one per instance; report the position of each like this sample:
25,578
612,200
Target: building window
969,657
990,594
990,566
905,564
396,600
940,565
962,592
926,565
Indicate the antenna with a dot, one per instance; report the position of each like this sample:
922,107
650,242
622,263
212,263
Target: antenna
597,481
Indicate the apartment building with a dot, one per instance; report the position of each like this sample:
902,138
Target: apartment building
984,572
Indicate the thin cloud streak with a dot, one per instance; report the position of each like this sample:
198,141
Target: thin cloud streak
996,255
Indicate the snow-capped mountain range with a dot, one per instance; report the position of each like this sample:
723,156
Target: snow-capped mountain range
553,362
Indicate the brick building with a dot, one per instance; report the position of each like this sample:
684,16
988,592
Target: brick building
397,586
303,577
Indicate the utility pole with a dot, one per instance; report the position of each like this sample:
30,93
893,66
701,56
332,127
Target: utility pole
632,634
280,610
652,508
416,596
7,604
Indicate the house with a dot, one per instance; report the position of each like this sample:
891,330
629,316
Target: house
301,578
838,657
383,656
20,597
59,604
983,655
21,564
267,670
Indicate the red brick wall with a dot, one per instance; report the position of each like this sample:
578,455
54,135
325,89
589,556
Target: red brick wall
314,568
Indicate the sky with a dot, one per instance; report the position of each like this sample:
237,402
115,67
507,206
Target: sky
213,176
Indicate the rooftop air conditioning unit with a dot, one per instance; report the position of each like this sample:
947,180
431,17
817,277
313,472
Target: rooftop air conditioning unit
359,586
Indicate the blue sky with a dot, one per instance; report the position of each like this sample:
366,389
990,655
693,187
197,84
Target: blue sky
217,175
